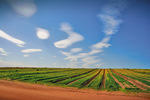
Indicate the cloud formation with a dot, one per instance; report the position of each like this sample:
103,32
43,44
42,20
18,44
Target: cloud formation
102,44
31,50
18,42
71,57
89,61
26,55
72,38
23,7
3,52
111,24
42,33
75,50
110,14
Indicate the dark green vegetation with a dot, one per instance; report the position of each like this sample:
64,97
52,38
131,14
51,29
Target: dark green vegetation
98,79
110,83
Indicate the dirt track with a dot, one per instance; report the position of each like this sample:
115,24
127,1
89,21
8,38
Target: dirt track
25,91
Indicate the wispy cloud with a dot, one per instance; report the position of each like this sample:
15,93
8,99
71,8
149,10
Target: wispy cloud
73,37
31,50
26,55
102,44
23,7
42,33
110,16
71,57
3,52
75,50
111,24
18,42
89,61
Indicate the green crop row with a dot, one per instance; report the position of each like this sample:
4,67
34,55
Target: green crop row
134,77
110,84
67,81
53,78
142,71
95,84
134,74
122,80
98,79
79,83
143,81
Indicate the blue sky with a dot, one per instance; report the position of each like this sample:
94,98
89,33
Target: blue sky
75,33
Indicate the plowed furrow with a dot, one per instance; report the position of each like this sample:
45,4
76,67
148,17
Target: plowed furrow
72,76
94,78
134,82
79,79
89,80
122,86
103,81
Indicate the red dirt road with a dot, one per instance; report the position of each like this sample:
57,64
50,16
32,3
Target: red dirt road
24,91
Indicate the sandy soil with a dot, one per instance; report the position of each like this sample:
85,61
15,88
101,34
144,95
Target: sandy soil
25,91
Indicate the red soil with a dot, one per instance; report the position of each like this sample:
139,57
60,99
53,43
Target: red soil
24,91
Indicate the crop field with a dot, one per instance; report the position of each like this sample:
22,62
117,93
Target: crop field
125,80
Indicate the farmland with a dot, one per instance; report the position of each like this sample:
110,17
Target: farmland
125,80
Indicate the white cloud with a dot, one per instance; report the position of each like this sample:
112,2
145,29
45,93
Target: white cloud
31,50
73,37
72,57
114,8
87,59
23,7
42,33
90,61
83,58
92,52
26,55
102,44
110,14
111,24
75,50
18,42
3,52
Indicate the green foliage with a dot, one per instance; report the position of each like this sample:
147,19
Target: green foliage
120,79
95,84
110,84
130,90
141,80
79,83
80,78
